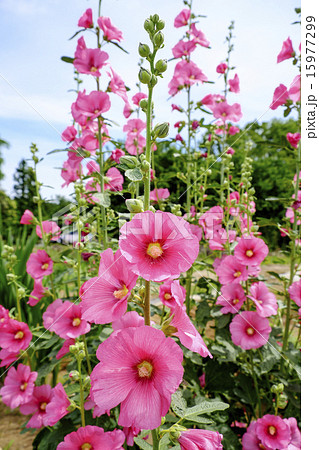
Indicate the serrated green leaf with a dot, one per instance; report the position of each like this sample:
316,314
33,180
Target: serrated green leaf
142,444
200,419
178,404
204,408
134,174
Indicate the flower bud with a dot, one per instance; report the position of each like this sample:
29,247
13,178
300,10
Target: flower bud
160,25
161,65
144,50
148,25
144,76
153,81
129,161
145,166
143,104
87,383
277,388
158,39
134,205
21,292
161,130
74,375
155,18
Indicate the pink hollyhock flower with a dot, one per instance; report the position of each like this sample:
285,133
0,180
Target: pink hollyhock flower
58,406
183,48
249,330
287,51
251,251
86,20
187,333
280,96
292,138
251,441
115,180
116,155
198,36
104,299
130,434
211,220
140,369
130,319
230,270
295,436
135,144
230,151
234,84
182,18
200,440
117,86
178,137
186,73
218,238
80,48
197,231
93,437
202,380
90,106
294,91
138,97
232,130
127,110
110,32
64,350
92,166
177,108
18,386
27,217
70,174
167,291
211,100
69,134
50,316
90,61
134,126
39,264
265,301
4,315
37,293
232,298
273,431
221,68
7,357
68,321
224,111
42,395
49,228
15,335
295,293
158,245
159,194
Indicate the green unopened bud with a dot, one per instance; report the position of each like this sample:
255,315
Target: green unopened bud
74,375
145,166
158,39
155,18
277,388
134,205
160,25
72,406
161,65
144,50
21,293
152,209
254,228
161,130
153,81
87,383
282,401
143,104
129,161
144,76
149,26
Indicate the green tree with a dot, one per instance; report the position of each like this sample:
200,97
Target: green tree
24,187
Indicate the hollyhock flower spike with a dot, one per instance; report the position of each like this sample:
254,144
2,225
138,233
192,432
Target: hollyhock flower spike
158,245
41,397
286,52
39,264
86,20
93,437
200,440
18,386
265,301
249,330
251,251
273,431
140,369
27,217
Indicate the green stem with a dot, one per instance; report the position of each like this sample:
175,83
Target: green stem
155,439
87,355
189,179
255,384
81,393
188,290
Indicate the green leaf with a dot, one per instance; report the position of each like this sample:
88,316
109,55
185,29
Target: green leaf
75,34
178,404
164,442
142,444
67,59
134,174
103,199
204,408
200,419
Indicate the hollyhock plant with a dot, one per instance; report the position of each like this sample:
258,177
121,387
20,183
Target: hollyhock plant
172,294
140,369
58,406
234,84
15,336
110,32
93,437
251,251
230,270
287,51
86,20
158,245
249,330
50,229
232,298
273,431
104,299
265,301
159,194
27,217
18,386
200,440
280,96
182,18
39,264
41,397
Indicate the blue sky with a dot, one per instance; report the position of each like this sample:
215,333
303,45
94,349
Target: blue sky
34,82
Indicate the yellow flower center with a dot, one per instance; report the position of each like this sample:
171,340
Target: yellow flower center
250,331
76,321
44,266
261,446
249,253
154,250
272,430
23,386
167,296
144,369
43,406
19,335
237,274
235,301
86,446
121,293
96,111
93,69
